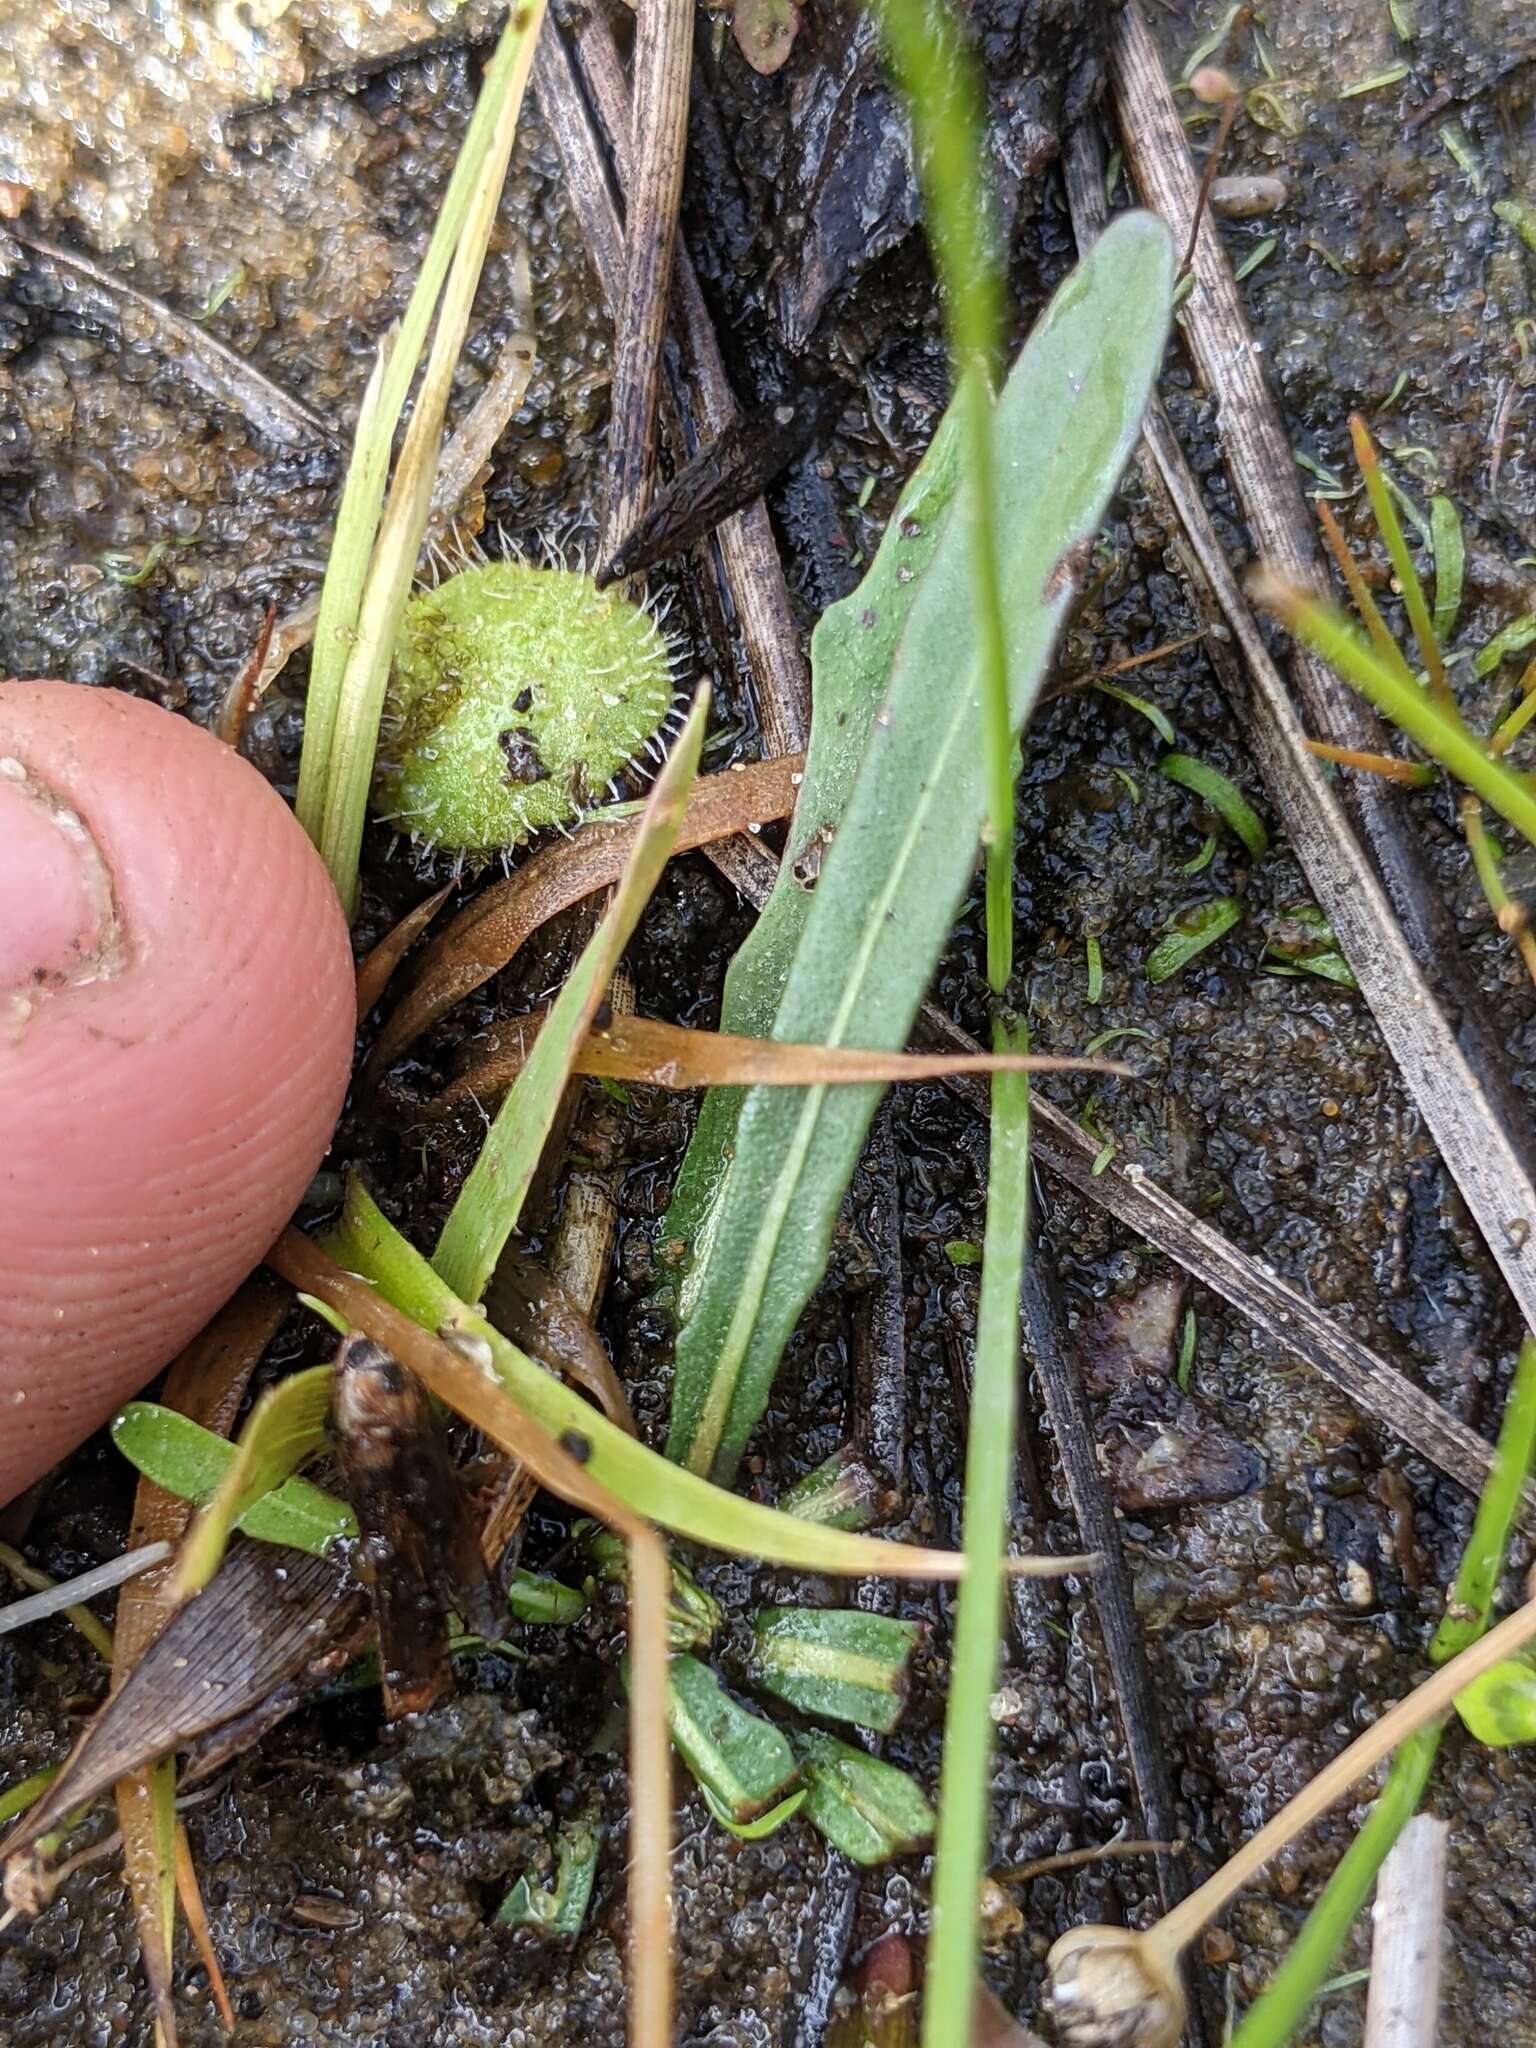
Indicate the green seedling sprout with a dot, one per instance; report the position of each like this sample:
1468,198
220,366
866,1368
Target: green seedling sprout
1188,935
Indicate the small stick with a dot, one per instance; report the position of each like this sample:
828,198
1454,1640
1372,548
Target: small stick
75,1592
202,359
1229,105
663,61
774,668
1408,1940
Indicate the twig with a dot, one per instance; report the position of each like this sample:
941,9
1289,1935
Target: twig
200,357
1467,1112
1408,1940
1130,1194
1114,1596
663,64
772,664
75,1592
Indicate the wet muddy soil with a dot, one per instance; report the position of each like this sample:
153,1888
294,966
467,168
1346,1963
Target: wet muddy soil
271,172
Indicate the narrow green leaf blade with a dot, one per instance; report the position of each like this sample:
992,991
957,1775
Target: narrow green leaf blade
286,1427
892,878
852,650
190,1461
491,1199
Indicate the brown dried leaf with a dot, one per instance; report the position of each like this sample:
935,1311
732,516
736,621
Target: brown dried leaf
374,973
765,30
269,1615
526,1304
488,932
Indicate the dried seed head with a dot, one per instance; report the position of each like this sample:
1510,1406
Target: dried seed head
1114,1988
518,692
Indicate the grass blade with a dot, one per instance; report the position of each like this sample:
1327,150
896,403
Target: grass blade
893,876
1434,726
286,1427
366,587
1391,529
491,1200
383,1286
944,97
1223,796
1450,565
965,1781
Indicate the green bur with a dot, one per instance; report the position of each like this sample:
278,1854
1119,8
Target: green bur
517,695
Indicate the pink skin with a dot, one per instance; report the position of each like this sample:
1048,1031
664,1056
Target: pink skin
176,1025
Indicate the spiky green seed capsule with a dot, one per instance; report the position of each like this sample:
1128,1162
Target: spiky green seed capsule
518,693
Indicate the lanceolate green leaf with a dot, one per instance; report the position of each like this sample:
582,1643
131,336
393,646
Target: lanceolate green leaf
852,650
892,878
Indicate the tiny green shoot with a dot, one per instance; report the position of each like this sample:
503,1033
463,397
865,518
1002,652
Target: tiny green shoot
1223,796
1259,254
1189,933
1095,956
560,1910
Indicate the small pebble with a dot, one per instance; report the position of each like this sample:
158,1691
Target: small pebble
1247,198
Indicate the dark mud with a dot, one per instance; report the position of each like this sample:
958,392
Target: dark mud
352,1872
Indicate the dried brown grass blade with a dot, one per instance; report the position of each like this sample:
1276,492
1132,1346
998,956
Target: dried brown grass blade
374,973
651,1053
650,1795
207,1382
1392,766
488,932
191,1897
146,1806
244,690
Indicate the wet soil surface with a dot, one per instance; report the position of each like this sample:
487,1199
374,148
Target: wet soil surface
1286,1557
